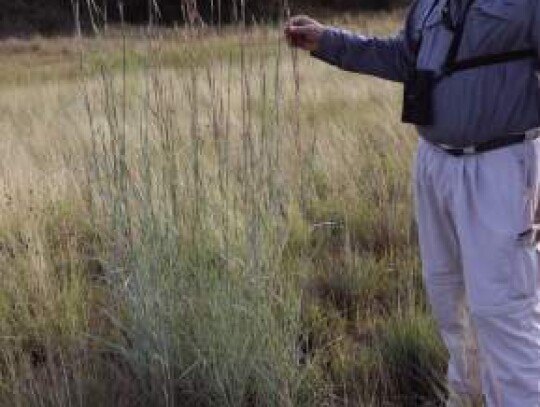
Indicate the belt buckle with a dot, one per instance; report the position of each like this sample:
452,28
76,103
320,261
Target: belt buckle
445,147
457,150
532,134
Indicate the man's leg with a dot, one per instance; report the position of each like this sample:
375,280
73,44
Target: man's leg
494,198
443,274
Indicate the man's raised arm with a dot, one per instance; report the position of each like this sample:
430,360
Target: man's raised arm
387,58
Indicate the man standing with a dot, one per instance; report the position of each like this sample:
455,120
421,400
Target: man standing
471,86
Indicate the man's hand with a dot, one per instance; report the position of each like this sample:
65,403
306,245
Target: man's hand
304,32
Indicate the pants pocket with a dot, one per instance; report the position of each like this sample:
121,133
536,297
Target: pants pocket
525,253
523,269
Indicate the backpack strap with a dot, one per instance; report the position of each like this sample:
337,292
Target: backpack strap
490,59
453,65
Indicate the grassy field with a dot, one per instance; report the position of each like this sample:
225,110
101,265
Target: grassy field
206,219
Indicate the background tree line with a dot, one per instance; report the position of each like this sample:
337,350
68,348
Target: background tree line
25,17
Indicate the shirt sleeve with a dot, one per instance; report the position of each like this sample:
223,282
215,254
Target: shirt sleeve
388,58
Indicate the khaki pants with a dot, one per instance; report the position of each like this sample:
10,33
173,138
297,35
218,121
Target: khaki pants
475,215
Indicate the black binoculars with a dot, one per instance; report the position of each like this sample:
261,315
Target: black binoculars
418,98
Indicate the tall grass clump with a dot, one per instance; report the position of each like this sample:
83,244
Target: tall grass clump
187,170
216,191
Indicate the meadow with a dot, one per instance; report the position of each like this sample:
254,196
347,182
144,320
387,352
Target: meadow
207,218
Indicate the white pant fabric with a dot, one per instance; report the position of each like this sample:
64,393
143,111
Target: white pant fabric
475,215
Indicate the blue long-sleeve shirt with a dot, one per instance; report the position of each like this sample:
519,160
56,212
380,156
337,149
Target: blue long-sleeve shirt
470,106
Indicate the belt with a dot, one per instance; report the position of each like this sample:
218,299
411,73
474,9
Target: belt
513,138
